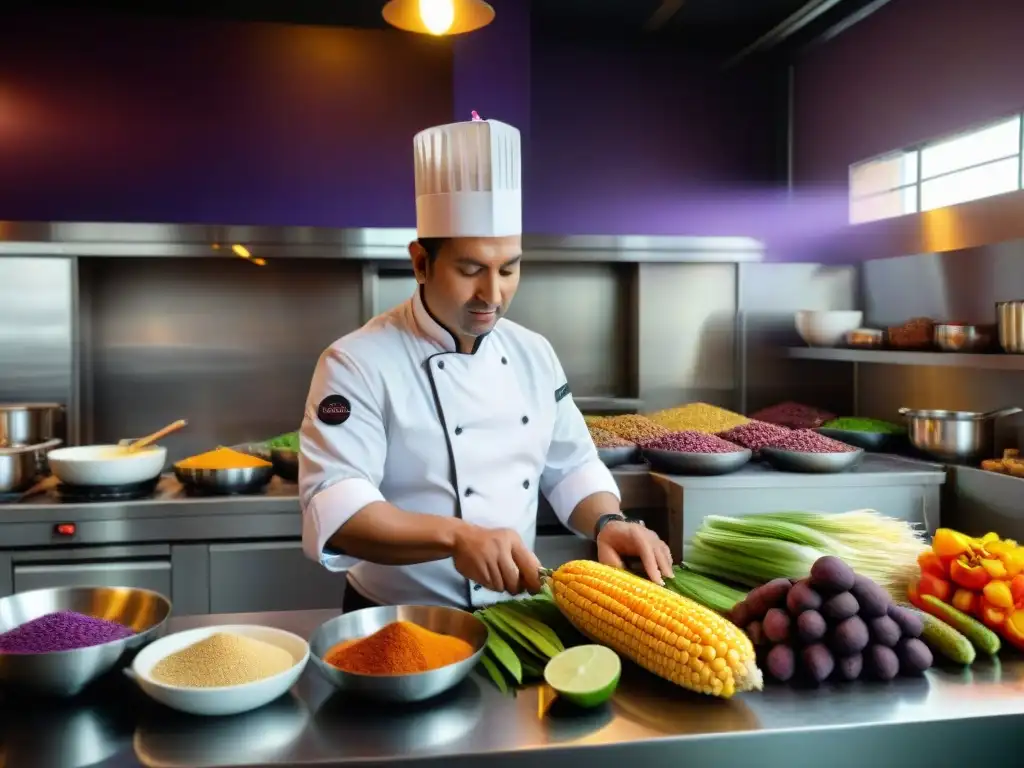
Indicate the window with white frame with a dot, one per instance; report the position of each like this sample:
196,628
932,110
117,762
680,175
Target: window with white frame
979,163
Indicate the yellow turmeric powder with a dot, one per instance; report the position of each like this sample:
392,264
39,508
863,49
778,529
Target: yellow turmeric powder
222,458
400,648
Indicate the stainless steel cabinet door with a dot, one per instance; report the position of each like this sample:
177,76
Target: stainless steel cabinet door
143,574
269,576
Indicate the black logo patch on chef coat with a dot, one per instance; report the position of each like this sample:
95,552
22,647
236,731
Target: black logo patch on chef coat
334,410
562,392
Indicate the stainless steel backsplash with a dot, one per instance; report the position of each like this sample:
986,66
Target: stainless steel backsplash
228,345
37,330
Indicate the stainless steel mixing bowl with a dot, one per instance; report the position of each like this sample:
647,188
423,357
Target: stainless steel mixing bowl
67,673
954,436
399,688
225,481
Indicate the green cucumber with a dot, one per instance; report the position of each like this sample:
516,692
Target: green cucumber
983,638
942,638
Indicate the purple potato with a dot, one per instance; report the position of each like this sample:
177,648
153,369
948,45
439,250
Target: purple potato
802,598
781,662
755,632
882,662
873,600
849,667
884,631
910,623
850,636
915,657
839,607
740,614
771,595
810,626
830,575
777,625
817,662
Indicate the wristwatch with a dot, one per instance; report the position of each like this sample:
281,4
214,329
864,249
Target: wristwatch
603,520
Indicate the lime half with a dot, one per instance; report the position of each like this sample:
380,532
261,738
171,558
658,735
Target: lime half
586,675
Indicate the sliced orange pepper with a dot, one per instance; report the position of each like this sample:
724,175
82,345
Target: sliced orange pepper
967,575
930,584
966,601
1000,547
994,568
988,538
1013,629
1013,561
991,616
1017,590
932,563
950,543
998,594
914,595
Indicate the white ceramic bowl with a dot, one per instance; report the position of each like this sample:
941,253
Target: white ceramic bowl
106,464
827,328
226,700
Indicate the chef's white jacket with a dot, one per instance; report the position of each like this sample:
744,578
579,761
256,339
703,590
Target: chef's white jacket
396,413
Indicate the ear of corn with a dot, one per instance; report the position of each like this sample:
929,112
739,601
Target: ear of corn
667,634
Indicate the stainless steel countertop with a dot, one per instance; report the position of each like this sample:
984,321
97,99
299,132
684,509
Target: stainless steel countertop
935,720
281,497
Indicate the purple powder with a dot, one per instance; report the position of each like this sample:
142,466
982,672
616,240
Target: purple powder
755,435
690,441
61,631
806,441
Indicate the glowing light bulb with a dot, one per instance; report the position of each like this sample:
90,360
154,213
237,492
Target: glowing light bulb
437,15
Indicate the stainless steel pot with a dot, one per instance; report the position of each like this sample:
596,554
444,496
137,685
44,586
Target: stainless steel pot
1010,315
21,466
954,436
29,423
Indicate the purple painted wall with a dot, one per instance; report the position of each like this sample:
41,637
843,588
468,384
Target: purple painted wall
641,140
914,70
158,120
269,124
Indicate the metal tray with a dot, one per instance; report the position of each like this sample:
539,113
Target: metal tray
801,461
679,463
615,457
870,441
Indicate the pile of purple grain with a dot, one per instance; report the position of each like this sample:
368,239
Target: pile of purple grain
604,439
61,631
809,441
793,415
755,435
690,441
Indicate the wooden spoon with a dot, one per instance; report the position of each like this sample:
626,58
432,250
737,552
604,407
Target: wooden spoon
149,439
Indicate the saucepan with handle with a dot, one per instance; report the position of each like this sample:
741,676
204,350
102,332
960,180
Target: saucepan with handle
20,465
954,436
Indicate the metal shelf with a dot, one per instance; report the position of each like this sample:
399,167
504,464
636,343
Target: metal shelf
995,362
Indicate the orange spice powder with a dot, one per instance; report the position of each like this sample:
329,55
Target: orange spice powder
400,648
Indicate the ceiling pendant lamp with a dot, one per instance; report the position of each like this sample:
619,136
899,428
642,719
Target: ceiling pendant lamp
438,17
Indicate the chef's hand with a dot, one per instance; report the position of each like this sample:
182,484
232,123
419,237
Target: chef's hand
497,558
619,539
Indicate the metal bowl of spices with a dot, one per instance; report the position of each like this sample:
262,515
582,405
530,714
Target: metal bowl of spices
224,471
221,670
55,642
963,337
447,640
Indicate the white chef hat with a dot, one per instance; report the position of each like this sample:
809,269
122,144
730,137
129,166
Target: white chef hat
468,180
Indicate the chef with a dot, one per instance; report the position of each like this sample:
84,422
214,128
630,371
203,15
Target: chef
428,432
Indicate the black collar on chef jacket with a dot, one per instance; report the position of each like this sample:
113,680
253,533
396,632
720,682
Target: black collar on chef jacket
446,329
